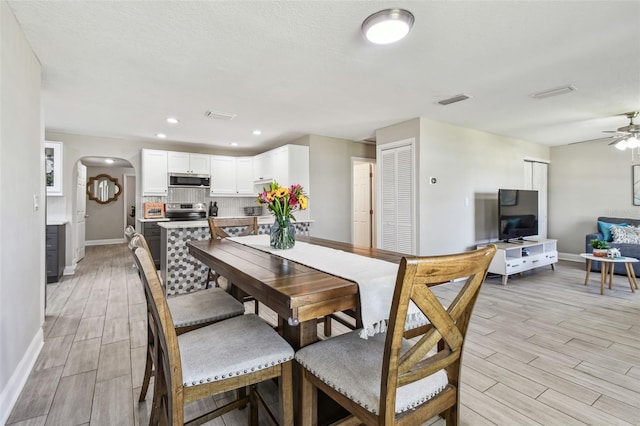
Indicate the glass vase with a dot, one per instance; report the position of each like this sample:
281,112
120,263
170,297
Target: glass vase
283,234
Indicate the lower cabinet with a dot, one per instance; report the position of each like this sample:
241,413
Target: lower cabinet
151,233
55,252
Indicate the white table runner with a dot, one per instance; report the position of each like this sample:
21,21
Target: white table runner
375,278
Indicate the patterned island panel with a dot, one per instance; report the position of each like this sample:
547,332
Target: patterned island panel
181,272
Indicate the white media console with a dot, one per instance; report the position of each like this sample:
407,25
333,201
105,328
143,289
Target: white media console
523,255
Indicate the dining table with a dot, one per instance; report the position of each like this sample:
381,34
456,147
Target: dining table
298,294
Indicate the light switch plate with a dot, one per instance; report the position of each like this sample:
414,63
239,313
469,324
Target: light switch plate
36,202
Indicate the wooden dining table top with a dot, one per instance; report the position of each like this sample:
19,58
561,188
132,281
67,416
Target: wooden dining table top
296,292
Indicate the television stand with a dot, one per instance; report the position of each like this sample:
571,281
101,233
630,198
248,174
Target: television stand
522,256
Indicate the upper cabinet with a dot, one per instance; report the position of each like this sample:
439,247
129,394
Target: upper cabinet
286,165
244,177
154,172
184,162
231,175
263,167
290,165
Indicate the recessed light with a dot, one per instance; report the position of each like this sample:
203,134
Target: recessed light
161,135
172,120
387,26
257,132
108,160
233,143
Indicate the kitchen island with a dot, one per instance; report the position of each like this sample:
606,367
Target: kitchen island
181,272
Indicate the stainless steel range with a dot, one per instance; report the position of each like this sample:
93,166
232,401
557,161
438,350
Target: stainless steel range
186,211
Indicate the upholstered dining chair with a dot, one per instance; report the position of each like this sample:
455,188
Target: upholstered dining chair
216,228
388,379
229,355
189,312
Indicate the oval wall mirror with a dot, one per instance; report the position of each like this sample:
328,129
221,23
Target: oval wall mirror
103,189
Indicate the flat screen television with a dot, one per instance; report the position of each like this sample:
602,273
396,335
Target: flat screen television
517,213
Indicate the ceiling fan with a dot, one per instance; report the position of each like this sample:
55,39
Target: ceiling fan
626,136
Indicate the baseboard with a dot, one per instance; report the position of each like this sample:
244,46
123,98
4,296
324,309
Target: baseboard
11,392
104,242
570,257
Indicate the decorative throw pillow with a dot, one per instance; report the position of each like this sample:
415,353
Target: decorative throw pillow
625,234
605,228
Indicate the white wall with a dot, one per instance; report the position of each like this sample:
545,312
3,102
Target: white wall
331,184
587,180
22,230
460,210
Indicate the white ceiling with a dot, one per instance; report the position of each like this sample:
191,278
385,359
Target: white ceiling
292,68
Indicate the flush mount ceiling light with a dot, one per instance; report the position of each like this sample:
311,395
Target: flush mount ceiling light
161,135
108,160
172,120
562,90
257,132
234,144
387,26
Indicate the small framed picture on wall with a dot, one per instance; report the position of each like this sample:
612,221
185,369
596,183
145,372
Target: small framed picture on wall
53,167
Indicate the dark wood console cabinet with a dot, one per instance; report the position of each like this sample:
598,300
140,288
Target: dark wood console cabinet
55,252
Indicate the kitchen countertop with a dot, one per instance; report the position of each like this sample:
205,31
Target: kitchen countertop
205,223
163,219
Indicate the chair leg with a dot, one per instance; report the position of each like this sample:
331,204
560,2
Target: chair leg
147,377
253,406
308,415
451,416
286,394
327,326
256,307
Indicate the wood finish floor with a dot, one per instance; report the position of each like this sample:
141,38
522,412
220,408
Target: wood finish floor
544,350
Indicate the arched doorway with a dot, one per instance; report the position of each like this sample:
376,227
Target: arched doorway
99,222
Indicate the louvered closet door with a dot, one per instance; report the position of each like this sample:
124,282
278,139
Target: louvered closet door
398,199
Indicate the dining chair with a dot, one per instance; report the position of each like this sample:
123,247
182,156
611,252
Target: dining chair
217,231
229,355
189,312
401,377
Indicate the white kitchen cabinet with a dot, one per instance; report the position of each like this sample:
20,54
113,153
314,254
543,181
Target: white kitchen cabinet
286,165
184,162
231,176
223,175
244,178
154,172
262,167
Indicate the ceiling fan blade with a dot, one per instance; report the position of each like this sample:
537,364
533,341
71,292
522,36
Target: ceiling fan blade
616,140
604,138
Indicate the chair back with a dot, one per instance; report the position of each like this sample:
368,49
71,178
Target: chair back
168,375
216,225
128,232
446,331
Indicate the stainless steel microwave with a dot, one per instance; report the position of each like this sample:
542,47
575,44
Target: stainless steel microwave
189,180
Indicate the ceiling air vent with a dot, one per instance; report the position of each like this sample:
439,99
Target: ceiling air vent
453,100
220,115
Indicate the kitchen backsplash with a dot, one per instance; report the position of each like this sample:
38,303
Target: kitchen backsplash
227,206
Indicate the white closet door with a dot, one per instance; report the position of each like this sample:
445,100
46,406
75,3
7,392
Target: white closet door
398,195
535,177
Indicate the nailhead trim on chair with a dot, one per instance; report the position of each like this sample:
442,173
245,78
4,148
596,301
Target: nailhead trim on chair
239,373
